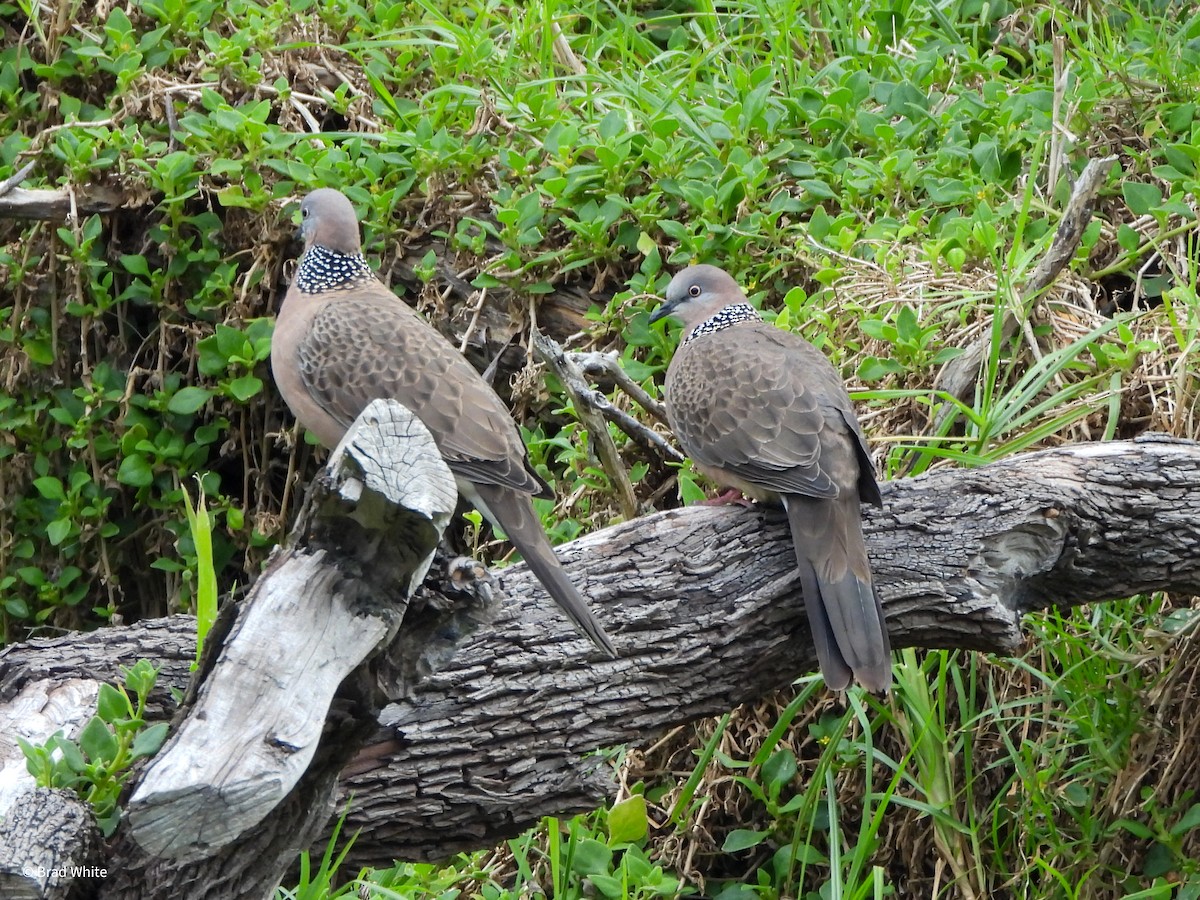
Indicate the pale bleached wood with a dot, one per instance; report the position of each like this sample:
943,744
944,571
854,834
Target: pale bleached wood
256,727
55,204
312,620
34,714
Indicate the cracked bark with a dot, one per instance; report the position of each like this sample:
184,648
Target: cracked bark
704,608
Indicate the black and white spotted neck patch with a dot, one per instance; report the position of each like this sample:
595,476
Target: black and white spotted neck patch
322,269
730,315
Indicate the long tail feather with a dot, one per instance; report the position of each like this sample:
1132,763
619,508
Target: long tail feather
513,511
844,612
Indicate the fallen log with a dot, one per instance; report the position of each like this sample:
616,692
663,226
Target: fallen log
291,687
706,613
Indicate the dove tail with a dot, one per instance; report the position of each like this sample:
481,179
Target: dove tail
848,627
512,510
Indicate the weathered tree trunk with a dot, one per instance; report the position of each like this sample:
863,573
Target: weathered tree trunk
50,824
706,613
290,691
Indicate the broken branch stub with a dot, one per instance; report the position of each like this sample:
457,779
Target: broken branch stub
328,603
958,377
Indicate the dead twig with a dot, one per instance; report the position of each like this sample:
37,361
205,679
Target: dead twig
959,376
588,405
564,54
16,177
606,365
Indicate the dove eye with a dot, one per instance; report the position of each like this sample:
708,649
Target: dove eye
694,290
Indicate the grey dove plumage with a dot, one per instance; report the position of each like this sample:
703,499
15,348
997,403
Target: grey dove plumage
761,410
343,339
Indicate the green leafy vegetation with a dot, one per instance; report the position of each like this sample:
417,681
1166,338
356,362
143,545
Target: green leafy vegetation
884,181
97,764
602,855
324,883
200,531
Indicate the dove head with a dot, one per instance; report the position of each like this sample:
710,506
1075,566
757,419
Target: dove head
697,294
327,220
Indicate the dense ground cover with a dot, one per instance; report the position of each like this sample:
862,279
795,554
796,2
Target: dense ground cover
882,181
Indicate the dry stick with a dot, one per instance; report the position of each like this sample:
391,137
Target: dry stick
606,365
60,204
563,52
32,204
1057,131
600,365
17,177
587,407
1059,140
959,376
306,115
473,326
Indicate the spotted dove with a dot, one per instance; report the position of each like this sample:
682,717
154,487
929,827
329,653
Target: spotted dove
343,339
761,410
